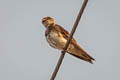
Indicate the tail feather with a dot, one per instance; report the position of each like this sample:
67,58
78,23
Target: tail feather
78,52
90,60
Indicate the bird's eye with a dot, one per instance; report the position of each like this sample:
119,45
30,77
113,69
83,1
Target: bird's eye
43,21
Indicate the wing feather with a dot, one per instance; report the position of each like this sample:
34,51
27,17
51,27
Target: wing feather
65,33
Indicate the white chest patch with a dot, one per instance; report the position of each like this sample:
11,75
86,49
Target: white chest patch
55,40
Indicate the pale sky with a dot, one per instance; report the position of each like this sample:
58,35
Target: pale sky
26,55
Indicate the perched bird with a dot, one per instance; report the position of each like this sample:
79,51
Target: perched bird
57,37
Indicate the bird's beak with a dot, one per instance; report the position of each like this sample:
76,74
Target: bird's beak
43,20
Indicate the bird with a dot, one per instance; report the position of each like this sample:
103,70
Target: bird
57,37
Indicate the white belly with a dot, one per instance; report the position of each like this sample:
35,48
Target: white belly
55,40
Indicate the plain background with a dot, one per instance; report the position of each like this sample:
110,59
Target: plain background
26,55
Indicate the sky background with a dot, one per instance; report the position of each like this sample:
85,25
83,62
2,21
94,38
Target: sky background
26,55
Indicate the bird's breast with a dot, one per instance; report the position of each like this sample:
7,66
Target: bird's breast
56,40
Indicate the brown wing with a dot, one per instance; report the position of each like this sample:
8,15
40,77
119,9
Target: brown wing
64,33
80,52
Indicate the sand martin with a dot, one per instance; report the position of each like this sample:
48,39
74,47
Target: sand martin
57,37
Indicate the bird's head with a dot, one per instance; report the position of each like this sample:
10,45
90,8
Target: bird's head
47,21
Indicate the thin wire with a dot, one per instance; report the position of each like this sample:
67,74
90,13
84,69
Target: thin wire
68,41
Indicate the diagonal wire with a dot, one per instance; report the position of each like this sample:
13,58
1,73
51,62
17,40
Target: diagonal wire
68,41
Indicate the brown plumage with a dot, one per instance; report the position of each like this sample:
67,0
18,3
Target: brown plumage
57,38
